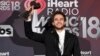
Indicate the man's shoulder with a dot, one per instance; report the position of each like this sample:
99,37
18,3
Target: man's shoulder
71,35
46,32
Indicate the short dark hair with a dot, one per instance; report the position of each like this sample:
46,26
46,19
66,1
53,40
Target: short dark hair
57,12
49,23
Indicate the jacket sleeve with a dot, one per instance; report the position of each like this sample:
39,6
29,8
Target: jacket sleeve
32,35
76,47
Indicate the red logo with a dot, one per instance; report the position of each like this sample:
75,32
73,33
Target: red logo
42,3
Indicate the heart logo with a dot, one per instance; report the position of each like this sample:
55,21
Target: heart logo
42,3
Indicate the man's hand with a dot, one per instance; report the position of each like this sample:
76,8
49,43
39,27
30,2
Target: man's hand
30,10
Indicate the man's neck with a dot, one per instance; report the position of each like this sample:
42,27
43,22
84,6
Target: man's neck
60,30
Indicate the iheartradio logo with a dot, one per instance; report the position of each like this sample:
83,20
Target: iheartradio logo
42,3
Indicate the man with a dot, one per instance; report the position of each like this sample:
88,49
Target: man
57,40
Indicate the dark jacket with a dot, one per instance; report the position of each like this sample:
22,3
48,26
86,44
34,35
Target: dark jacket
50,39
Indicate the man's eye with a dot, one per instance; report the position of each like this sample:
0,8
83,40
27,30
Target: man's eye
61,19
55,18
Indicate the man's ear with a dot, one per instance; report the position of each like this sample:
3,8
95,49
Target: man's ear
53,23
65,23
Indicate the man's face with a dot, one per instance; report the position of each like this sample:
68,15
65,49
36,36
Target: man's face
58,21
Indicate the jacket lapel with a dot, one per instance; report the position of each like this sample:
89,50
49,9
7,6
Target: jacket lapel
56,41
66,40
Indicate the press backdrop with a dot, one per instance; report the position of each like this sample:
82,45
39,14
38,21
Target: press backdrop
83,19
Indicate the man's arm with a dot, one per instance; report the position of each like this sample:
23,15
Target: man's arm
28,27
76,48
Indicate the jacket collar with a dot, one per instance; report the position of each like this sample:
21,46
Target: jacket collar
56,40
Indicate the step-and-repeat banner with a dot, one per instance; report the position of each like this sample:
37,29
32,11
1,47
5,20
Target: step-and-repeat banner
83,19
